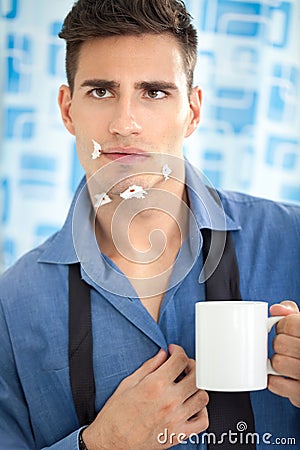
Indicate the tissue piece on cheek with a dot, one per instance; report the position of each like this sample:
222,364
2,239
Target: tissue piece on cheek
166,171
102,199
97,150
134,192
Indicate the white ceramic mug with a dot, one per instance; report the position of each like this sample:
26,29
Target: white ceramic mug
232,345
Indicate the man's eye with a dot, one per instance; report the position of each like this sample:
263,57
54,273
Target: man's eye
155,94
100,93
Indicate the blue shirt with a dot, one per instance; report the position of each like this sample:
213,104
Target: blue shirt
36,406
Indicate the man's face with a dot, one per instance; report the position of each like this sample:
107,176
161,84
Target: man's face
130,96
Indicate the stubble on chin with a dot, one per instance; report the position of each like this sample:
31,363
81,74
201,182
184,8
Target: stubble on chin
145,181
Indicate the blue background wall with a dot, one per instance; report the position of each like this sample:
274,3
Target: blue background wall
249,139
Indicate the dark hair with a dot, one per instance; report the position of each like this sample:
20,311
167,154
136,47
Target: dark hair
90,19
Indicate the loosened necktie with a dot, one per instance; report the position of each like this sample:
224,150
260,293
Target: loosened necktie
229,412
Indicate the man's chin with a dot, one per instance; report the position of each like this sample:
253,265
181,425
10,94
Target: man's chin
143,181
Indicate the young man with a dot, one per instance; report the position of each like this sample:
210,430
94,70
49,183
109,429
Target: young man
101,355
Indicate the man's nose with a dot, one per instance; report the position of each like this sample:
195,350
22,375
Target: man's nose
124,121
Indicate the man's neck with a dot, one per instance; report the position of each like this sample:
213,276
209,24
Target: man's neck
143,237
131,227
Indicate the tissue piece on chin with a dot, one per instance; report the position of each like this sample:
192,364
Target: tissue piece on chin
134,192
102,199
97,150
166,171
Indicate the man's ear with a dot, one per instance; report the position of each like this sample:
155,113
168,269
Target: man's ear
195,110
65,101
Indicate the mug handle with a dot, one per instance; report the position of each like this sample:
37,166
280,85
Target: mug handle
271,322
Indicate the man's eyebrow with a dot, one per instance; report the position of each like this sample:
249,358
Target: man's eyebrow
99,83
157,85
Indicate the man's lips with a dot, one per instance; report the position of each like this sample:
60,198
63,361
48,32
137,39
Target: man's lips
124,151
129,153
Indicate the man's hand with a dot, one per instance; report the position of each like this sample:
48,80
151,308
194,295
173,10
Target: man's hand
153,398
286,359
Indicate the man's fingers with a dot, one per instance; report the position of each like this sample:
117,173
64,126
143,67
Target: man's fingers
191,366
284,308
198,423
173,348
175,365
285,388
187,385
286,366
286,345
149,366
194,404
290,325
291,305
167,369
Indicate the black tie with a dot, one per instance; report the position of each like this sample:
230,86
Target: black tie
81,347
227,410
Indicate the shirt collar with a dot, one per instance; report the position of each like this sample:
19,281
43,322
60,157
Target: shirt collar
76,240
205,202
60,248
